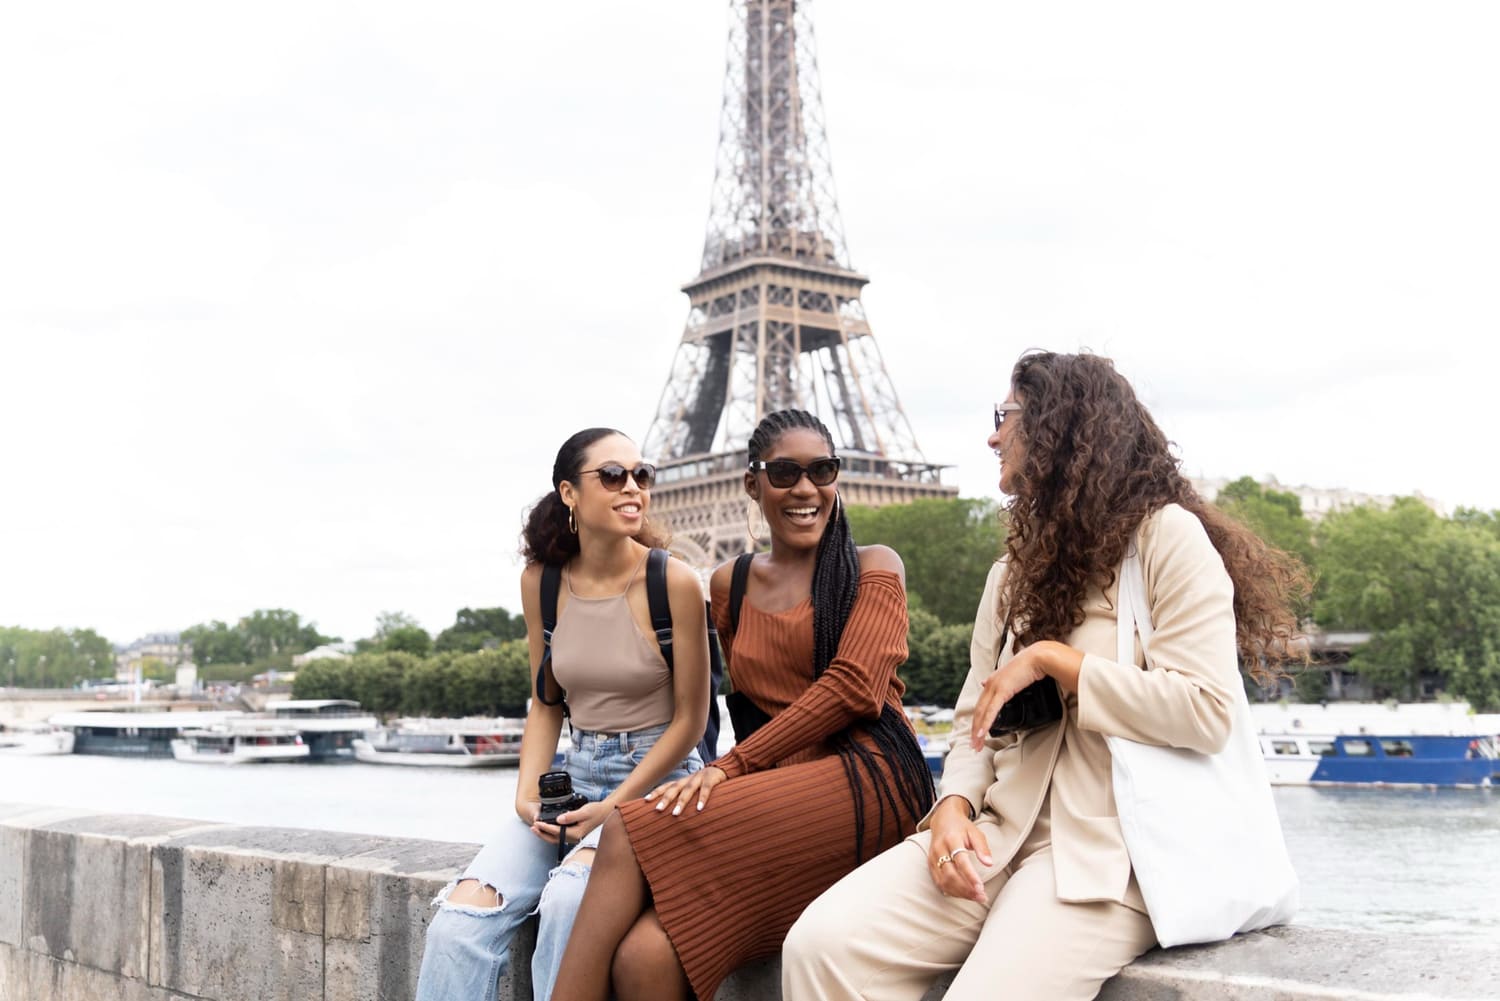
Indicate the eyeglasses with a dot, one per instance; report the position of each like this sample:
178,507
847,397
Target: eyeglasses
612,475
784,473
1001,409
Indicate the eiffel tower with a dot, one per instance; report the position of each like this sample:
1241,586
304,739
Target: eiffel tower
775,318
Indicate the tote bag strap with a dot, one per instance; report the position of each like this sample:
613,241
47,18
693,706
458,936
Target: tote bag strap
1133,610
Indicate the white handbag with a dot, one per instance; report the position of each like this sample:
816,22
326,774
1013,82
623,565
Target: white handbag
1201,829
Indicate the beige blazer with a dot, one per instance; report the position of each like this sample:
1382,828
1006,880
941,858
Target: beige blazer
1183,701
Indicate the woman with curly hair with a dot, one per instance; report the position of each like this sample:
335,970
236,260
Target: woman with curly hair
712,869
1019,877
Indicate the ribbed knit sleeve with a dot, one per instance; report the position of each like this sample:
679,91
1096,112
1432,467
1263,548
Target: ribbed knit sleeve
857,683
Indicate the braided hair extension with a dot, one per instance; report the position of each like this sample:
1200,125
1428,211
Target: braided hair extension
835,585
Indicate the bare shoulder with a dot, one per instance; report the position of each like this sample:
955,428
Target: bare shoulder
881,558
683,580
723,576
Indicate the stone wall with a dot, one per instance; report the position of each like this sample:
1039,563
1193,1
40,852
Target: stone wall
150,909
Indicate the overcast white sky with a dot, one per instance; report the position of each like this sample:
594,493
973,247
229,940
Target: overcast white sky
297,300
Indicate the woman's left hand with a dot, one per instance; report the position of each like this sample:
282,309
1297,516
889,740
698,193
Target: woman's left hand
677,794
579,822
1029,666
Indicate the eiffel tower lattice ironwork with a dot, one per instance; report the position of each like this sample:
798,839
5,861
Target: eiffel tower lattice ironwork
775,318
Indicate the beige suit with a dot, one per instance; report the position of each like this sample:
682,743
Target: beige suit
1065,913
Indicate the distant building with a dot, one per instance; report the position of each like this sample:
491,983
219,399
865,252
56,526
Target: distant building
1317,501
165,647
328,651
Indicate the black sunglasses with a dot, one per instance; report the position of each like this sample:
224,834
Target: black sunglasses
612,475
784,473
1001,409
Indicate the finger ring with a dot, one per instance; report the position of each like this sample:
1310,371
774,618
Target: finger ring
959,851
944,860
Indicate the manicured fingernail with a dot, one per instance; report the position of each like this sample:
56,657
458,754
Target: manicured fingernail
662,805
700,804
677,809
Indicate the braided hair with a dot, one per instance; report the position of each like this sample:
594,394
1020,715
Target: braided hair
835,585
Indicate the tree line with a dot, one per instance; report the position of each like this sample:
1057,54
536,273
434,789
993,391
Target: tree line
1426,588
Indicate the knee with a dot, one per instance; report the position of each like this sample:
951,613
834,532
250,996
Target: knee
471,893
564,891
814,939
643,958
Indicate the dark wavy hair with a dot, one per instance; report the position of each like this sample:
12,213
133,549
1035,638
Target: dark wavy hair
835,585
546,537
1096,466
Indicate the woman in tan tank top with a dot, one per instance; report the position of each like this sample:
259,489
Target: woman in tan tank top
635,722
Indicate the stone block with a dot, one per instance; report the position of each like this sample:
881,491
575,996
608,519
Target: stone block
378,909
13,973
54,980
221,929
86,899
12,884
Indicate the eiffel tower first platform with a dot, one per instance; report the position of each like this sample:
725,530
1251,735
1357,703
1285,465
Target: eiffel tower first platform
775,319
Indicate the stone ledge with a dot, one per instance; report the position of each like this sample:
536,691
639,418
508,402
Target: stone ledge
233,913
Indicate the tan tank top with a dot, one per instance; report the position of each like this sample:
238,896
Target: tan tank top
614,674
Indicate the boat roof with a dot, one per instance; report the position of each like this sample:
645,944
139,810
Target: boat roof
1430,719
311,704
143,721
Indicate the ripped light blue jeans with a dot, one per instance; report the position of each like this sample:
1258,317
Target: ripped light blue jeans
468,947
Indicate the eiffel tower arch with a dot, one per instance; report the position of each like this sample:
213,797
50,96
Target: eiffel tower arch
774,316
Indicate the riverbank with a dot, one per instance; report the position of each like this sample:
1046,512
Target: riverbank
157,909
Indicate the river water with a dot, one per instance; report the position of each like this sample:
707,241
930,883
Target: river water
1409,862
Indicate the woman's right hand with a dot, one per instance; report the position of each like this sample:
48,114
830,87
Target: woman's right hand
956,843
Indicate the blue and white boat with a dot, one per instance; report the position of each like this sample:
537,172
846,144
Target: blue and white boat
1438,745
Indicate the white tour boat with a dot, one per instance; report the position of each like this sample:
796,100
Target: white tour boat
449,743
239,744
28,739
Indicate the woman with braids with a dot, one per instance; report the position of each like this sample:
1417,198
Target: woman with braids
634,721
1019,878
710,871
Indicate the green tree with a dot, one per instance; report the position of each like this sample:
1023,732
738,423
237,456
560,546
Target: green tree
1428,590
477,628
1274,515
948,547
272,631
217,643
52,658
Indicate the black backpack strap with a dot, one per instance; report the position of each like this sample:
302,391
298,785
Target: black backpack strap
551,585
738,581
659,602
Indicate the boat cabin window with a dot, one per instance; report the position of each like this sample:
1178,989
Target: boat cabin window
1396,748
1322,748
1358,748
1285,747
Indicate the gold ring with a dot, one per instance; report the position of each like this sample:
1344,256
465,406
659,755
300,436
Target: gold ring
944,860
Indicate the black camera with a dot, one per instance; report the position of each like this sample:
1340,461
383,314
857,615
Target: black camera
558,797
1038,704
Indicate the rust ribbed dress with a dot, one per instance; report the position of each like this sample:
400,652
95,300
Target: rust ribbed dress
729,882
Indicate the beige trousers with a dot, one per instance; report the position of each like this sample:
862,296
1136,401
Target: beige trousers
885,933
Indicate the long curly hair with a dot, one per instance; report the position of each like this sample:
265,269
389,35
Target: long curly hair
1096,466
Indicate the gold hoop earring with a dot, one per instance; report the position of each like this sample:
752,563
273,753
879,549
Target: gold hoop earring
572,525
753,508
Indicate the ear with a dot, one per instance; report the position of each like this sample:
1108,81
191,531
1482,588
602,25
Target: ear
752,486
568,492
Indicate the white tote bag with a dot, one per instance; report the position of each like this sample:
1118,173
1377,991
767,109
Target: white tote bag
1201,829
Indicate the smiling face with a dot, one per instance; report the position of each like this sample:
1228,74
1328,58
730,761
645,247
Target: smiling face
796,515
597,508
1009,444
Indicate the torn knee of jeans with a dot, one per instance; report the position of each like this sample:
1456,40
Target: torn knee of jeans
474,910
578,870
